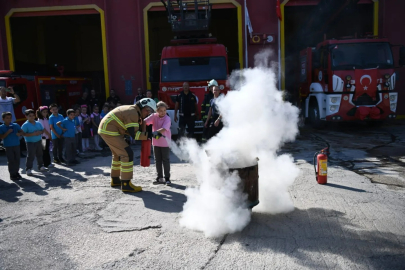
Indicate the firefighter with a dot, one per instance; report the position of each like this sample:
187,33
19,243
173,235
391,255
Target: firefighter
205,107
214,123
125,120
186,102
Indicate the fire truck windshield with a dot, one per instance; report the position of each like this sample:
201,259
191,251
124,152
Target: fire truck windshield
361,55
194,69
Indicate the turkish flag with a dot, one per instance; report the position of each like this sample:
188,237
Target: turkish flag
366,82
278,10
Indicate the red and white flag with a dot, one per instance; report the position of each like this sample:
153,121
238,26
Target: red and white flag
278,10
366,82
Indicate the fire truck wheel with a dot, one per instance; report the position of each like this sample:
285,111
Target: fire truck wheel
313,113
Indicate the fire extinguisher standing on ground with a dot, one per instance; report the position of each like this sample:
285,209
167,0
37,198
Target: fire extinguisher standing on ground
321,166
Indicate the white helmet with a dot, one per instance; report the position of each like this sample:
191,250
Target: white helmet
148,102
212,83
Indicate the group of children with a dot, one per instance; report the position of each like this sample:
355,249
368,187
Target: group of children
65,132
71,132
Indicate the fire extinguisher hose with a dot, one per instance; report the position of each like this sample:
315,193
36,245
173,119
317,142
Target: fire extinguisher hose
314,161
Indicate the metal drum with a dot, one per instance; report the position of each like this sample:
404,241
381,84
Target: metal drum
249,177
250,180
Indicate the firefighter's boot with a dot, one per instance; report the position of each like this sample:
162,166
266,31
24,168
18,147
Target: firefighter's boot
127,186
115,181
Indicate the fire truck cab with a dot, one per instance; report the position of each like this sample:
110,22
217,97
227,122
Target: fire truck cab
348,80
196,64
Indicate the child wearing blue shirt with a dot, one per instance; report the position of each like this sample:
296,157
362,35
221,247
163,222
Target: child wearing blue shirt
32,135
68,128
56,133
9,133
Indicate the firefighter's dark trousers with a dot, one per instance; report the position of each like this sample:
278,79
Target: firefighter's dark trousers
213,130
188,121
122,156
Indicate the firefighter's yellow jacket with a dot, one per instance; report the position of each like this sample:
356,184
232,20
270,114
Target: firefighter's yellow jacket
123,120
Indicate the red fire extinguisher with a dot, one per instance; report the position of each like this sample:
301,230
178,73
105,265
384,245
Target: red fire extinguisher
145,153
321,167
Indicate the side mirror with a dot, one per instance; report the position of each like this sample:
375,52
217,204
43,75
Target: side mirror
402,56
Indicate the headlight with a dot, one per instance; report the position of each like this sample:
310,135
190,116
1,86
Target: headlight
393,107
333,99
221,87
348,78
393,98
333,108
386,76
164,89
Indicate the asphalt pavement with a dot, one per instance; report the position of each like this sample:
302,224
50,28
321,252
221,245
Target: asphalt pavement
70,218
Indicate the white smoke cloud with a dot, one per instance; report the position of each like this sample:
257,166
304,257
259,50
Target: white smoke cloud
257,123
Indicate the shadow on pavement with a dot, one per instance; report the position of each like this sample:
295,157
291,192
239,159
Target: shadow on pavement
9,191
164,201
306,234
29,186
66,175
176,186
344,187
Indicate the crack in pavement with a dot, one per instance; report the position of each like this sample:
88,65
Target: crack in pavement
137,229
215,252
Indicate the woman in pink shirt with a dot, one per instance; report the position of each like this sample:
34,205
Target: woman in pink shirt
43,118
161,136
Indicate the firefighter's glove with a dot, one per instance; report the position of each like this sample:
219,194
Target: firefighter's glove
156,135
127,140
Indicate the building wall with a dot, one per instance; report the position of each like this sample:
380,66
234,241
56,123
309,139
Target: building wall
264,21
125,35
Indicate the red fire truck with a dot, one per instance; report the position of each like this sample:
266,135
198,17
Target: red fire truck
35,91
195,64
194,57
348,80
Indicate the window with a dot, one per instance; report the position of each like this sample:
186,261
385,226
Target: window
303,74
194,69
361,56
3,83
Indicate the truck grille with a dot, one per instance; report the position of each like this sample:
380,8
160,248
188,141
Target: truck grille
367,100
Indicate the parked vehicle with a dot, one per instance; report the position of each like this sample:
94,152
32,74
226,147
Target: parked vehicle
194,57
35,91
348,80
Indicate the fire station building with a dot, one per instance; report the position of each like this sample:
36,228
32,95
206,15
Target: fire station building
114,41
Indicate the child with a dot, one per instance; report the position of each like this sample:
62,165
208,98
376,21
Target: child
69,131
78,124
32,134
42,115
9,133
95,120
105,110
56,133
161,125
85,128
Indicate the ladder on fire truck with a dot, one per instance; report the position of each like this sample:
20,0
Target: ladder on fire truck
188,17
